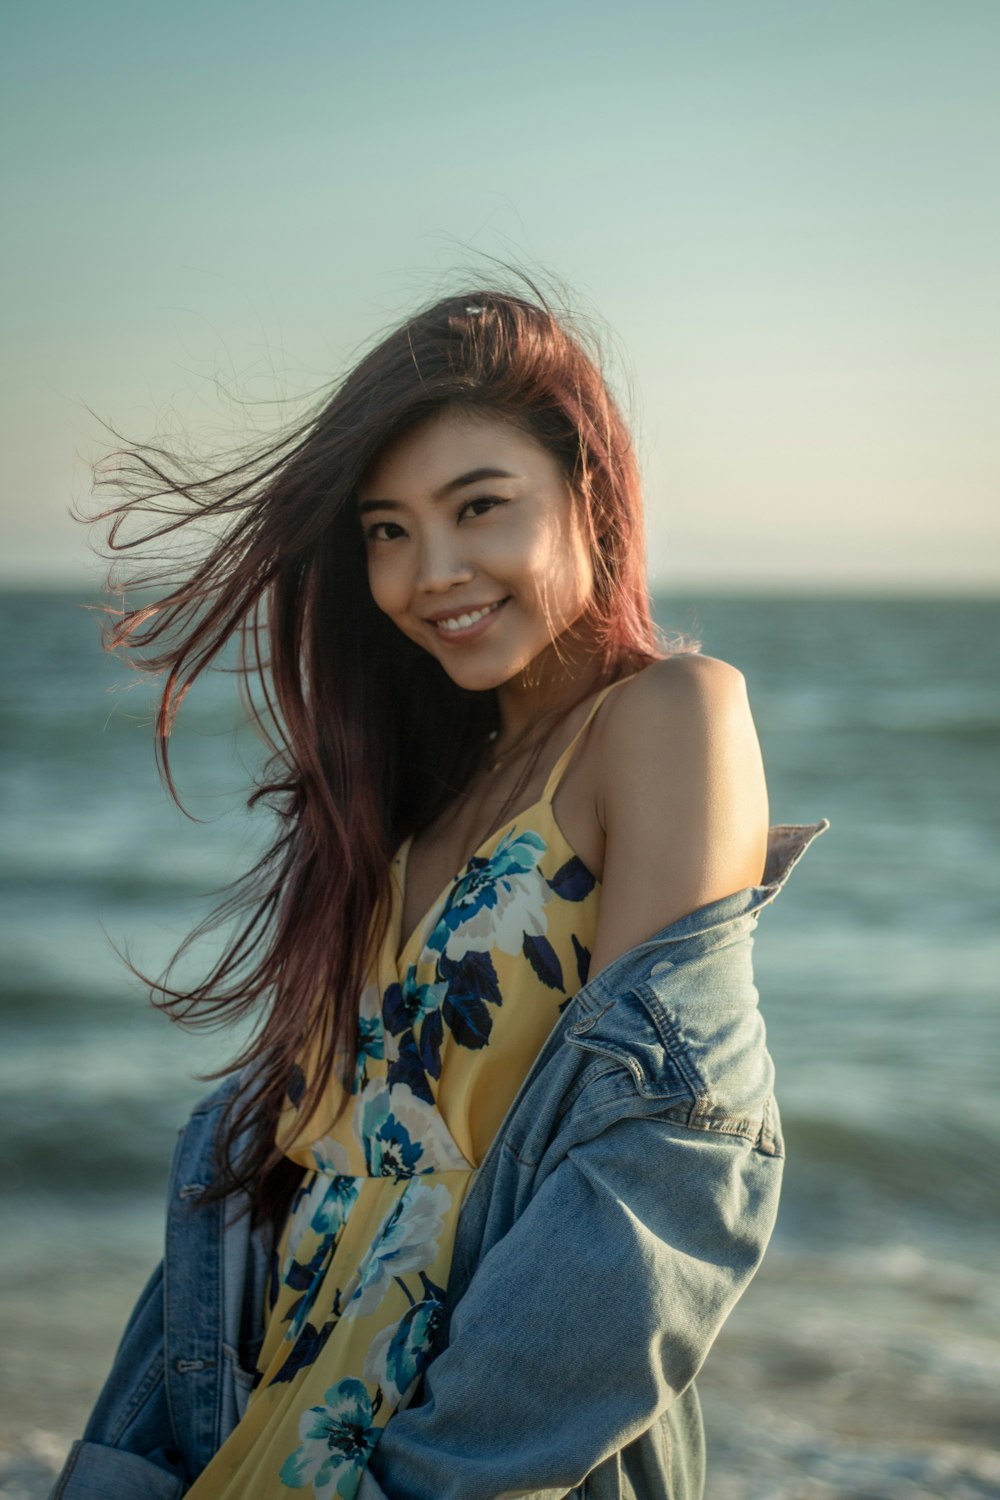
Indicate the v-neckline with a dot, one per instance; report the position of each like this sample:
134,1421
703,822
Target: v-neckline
403,860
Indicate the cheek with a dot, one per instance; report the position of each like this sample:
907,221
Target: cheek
384,585
540,547
571,565
577,587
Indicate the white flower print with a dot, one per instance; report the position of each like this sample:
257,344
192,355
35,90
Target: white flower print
406,1241
402,1135
331,1157
398,1355
337,1439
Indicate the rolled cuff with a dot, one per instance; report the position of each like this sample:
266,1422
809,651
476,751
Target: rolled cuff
96,1472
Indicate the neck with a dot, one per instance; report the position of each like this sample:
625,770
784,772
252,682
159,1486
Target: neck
554,679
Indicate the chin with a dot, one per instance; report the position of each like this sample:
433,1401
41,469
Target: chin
477,677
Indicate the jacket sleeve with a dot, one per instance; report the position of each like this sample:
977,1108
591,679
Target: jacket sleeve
159,1417
127,1451
586,1321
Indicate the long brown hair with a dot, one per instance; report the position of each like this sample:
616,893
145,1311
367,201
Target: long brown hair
351,710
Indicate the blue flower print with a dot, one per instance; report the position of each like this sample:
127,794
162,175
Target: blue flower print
332,1211
322,1205
326,1218
405,1005
406,1241
408,1067
371,1044
573,881
306,1277
472,983
402,1134
296,1085
388,1147
305,1351
337,1439
398,1355
582,958
371,1037
497,902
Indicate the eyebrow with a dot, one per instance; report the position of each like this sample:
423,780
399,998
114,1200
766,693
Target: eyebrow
472,477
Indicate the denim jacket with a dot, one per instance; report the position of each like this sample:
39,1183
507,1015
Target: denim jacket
622,1209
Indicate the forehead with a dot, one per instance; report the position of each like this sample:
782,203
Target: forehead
453,442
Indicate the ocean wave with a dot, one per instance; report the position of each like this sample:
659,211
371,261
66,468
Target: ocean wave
860,1182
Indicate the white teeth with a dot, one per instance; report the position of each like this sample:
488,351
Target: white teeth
462,622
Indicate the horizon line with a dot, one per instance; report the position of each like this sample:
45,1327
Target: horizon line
662,590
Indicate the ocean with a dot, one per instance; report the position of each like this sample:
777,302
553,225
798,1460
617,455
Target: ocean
864,1361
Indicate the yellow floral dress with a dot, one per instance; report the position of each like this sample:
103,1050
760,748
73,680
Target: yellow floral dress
448,1030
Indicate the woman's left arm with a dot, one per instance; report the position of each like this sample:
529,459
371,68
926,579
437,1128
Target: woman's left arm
682,800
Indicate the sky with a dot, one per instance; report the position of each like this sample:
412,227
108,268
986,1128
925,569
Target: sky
782,215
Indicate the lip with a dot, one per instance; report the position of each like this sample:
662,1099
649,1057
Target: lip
470,631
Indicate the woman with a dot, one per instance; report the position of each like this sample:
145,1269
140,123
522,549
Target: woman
507,1164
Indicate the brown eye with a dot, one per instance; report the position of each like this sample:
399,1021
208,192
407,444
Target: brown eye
370,531
488,500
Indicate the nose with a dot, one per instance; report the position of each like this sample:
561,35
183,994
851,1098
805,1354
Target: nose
440,563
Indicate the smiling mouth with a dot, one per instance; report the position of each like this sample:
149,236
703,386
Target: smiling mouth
465,623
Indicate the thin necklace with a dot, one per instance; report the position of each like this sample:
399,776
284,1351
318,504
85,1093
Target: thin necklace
511,751
501,760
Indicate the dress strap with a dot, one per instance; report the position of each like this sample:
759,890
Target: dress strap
555,775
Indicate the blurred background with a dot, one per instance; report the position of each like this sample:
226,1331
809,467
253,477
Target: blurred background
783,220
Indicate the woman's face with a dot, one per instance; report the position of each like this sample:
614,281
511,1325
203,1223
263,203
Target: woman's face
474,544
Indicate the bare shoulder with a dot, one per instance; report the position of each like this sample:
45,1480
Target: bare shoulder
679,679
682,797
680,703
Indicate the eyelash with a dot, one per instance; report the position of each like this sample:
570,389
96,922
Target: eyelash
493,500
